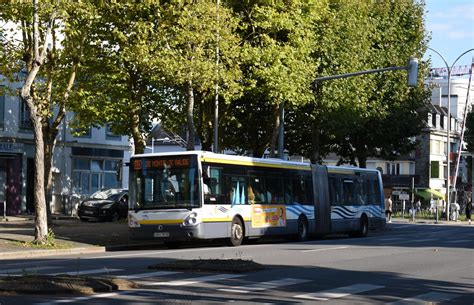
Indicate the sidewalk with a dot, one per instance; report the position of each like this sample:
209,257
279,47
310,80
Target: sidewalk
82,237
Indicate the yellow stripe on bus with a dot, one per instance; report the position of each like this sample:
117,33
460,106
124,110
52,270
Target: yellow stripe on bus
251,163
225,219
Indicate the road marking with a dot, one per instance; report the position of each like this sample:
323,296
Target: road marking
147,274
431,298
93,271
264,285
25,271
339,292
326,249
196,280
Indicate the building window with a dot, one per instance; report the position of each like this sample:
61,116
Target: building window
434,169
91,175
25,121
110,135
2,108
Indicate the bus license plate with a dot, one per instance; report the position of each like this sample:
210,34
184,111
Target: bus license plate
161,234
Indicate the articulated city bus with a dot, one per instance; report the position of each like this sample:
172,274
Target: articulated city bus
176,197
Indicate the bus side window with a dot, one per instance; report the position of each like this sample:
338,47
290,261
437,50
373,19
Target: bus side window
235,190
348,191
288,191
255,191
274,192
334,191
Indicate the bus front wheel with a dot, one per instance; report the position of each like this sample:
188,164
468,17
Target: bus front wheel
236,233
302,229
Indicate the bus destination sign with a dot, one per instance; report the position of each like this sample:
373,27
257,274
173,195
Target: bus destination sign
160,163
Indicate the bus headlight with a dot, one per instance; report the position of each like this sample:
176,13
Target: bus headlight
191,220
133,222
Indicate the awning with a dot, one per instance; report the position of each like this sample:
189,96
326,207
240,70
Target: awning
428,193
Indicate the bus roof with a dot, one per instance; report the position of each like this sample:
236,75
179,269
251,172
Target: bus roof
211,157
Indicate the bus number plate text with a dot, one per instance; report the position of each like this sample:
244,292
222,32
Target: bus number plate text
161,234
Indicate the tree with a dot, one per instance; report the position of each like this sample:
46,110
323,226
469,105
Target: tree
120,86
33,51
49,51
190,33
278,40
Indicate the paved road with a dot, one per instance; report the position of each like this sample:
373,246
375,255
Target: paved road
404,264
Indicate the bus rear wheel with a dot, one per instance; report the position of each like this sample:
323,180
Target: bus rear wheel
363,228
302,229
236,233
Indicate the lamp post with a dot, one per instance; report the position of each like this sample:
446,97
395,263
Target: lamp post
448,148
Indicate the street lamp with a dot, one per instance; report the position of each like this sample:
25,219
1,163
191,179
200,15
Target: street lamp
449,68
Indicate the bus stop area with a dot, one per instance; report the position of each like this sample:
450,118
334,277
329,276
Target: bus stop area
90,237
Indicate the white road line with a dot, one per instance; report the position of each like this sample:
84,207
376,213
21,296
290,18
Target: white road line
427,298
326,249
264,285
93,271
196,280
339,292
23,271
146,274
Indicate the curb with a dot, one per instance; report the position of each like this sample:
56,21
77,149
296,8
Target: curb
54,252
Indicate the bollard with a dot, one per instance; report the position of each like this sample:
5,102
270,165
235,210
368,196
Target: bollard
4,210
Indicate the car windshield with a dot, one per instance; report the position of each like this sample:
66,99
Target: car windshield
110,194
165,183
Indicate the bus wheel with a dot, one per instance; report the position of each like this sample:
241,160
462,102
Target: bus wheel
302,229
236,232
364,227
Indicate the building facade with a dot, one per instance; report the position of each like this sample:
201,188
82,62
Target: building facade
81,164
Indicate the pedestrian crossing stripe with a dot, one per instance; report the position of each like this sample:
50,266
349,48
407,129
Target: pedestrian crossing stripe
430,298
147,274
264,285
339,292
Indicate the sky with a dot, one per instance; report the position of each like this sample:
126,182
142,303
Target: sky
451,24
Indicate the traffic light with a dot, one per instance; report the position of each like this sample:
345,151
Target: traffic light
412,72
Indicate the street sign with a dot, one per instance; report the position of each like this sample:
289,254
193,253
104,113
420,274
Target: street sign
404,196
395,193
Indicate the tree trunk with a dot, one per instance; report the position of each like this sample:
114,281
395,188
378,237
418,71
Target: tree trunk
315,143
138,140
190,116
41,223
362,159
275,130
48,165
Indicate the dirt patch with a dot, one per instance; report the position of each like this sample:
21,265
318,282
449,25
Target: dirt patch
61,284
211,265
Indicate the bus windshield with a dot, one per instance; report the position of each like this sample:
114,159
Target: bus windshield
165,183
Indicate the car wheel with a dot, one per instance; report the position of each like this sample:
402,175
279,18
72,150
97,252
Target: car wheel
115,216
236,233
